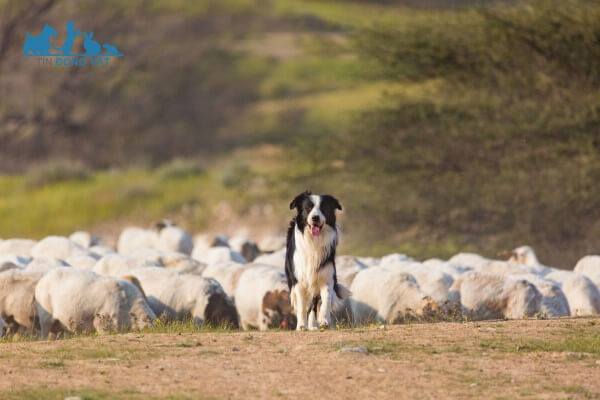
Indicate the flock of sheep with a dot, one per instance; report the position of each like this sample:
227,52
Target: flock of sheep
77,285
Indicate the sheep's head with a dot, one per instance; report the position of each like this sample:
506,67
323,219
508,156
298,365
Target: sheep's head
277,310
220,311
524,255
428,308
165,223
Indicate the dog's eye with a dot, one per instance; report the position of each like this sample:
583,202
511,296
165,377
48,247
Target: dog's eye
308,206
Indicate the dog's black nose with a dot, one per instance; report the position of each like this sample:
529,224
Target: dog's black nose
315,218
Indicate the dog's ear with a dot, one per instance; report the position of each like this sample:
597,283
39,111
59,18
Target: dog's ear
298,199
333,201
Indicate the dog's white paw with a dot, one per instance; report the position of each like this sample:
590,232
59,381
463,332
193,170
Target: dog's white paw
323,325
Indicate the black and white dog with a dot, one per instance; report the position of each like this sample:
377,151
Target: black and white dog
312,239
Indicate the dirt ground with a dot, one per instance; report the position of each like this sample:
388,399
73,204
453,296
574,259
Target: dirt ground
501,359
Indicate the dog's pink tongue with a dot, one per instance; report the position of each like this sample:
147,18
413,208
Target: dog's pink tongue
315,230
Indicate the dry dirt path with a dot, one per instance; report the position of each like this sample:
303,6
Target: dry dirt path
503,359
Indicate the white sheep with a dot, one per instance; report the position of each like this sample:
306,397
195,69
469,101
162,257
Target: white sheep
493,296
394,259
101,250
385,295
227,274
17,303
84,239
276,259
75,300
554,302
500,267
246,247
369,261
262,298
272,243
169,259
203,241
5,266
172,238
181,296
449,268
468,260
18,247
44,263
432,282
347,268
482,264
590,267
215,255
117,265
525,255
84,261
14,259
132,238
581,293
58,247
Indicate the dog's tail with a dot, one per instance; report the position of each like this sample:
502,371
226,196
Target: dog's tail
341,291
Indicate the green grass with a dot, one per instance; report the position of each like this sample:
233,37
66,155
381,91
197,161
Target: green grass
577,343
52,363
395,349
185,326
57,393
132,195
346,14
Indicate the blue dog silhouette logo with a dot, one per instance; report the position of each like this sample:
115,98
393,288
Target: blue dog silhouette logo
41,46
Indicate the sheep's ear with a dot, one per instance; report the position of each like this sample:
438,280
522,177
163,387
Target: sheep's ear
270,300
298,199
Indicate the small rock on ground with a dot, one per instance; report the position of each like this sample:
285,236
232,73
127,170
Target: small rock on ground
359,349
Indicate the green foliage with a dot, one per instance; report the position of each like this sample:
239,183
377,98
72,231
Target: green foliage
489,141
134,195
55,172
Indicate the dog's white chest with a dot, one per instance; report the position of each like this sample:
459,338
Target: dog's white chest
309,255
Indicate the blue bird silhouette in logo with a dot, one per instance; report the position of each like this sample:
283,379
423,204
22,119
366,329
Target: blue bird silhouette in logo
39,45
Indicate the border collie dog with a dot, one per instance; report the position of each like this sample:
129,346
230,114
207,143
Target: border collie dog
310,259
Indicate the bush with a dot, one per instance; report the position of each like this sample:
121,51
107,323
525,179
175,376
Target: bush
55,171
179,168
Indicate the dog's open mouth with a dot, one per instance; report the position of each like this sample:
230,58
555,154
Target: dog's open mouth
315,230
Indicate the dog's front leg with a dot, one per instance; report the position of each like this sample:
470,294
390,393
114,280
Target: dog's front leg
325,310
302,304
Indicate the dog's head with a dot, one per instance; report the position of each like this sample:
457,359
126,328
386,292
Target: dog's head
314,211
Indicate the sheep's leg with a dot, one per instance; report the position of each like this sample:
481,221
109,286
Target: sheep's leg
46,322
263,324
245,325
